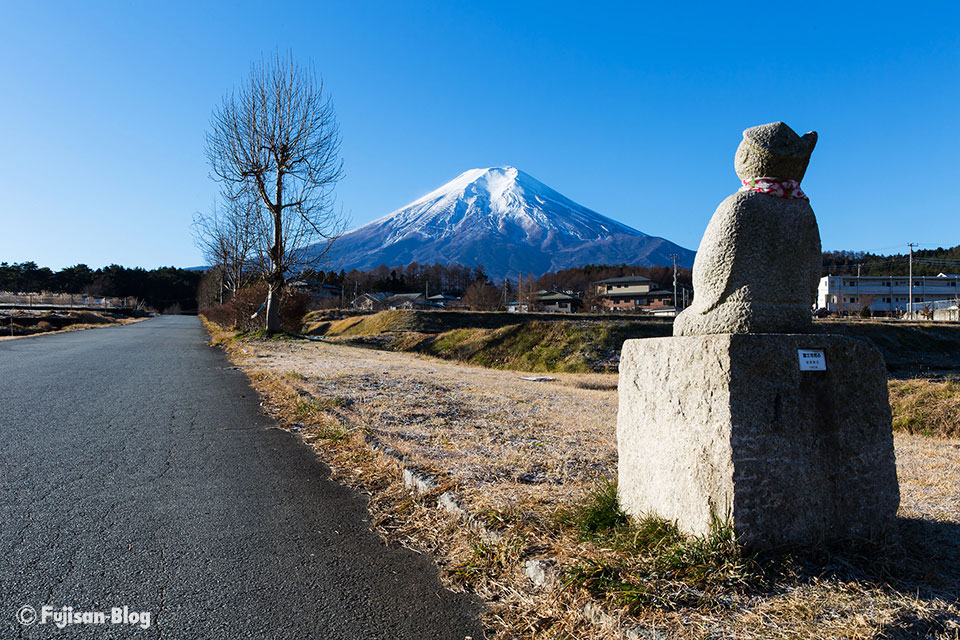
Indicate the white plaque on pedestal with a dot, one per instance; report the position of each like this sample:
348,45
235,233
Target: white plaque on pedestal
812,360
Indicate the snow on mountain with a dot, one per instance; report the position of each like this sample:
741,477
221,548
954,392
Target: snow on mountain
507,221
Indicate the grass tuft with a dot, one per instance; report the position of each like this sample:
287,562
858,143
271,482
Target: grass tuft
651,563
600,512
310,407
926,407
489,557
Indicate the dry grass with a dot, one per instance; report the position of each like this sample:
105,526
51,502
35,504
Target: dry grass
522,453
926,407
502,438
363,325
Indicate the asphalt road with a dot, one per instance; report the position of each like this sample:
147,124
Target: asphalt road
136,470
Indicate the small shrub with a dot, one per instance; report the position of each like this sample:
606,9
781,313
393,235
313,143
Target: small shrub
246,310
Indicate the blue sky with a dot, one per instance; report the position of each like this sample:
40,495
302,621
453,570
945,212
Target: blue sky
632,111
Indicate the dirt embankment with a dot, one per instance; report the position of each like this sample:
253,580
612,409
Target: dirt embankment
910,349
522,342
592,343
15,323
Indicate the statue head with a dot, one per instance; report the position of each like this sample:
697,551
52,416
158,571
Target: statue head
774,151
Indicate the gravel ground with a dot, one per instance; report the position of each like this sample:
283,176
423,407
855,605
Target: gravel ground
511,443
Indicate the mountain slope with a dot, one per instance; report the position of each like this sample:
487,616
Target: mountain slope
505,220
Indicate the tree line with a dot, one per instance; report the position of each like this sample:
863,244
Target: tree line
926,262
432,279
162,289
456,278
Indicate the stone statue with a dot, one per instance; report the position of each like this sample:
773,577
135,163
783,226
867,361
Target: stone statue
747,415
759,261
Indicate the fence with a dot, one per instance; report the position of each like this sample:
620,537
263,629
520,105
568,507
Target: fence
63,301
939,310
936,305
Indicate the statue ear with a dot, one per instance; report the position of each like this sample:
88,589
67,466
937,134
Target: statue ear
810,138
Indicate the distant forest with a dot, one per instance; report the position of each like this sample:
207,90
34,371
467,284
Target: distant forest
435,278
161,289
926,262
455,278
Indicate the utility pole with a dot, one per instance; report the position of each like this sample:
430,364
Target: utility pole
675,257
859,297
910,307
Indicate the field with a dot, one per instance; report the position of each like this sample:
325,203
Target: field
529,463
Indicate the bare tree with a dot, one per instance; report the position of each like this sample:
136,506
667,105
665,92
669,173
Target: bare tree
276,139
481,296
864,302
229,238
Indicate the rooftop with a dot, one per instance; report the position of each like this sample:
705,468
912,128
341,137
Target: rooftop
653,293
941,276
555,296
623,280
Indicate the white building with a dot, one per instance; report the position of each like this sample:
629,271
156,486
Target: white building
851,294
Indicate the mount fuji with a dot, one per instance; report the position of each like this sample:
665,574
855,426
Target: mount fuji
505,220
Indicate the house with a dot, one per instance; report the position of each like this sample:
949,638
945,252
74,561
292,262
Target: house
632,293
446,301
315,289
405,300
886,294
517,307
559,301
411,301
370,302
664,312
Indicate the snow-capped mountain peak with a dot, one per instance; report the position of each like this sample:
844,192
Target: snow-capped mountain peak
505,200
504,219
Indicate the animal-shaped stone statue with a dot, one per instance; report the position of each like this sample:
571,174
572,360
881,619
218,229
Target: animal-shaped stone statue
759,261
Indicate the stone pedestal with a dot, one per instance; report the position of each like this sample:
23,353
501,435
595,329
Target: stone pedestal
729,426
